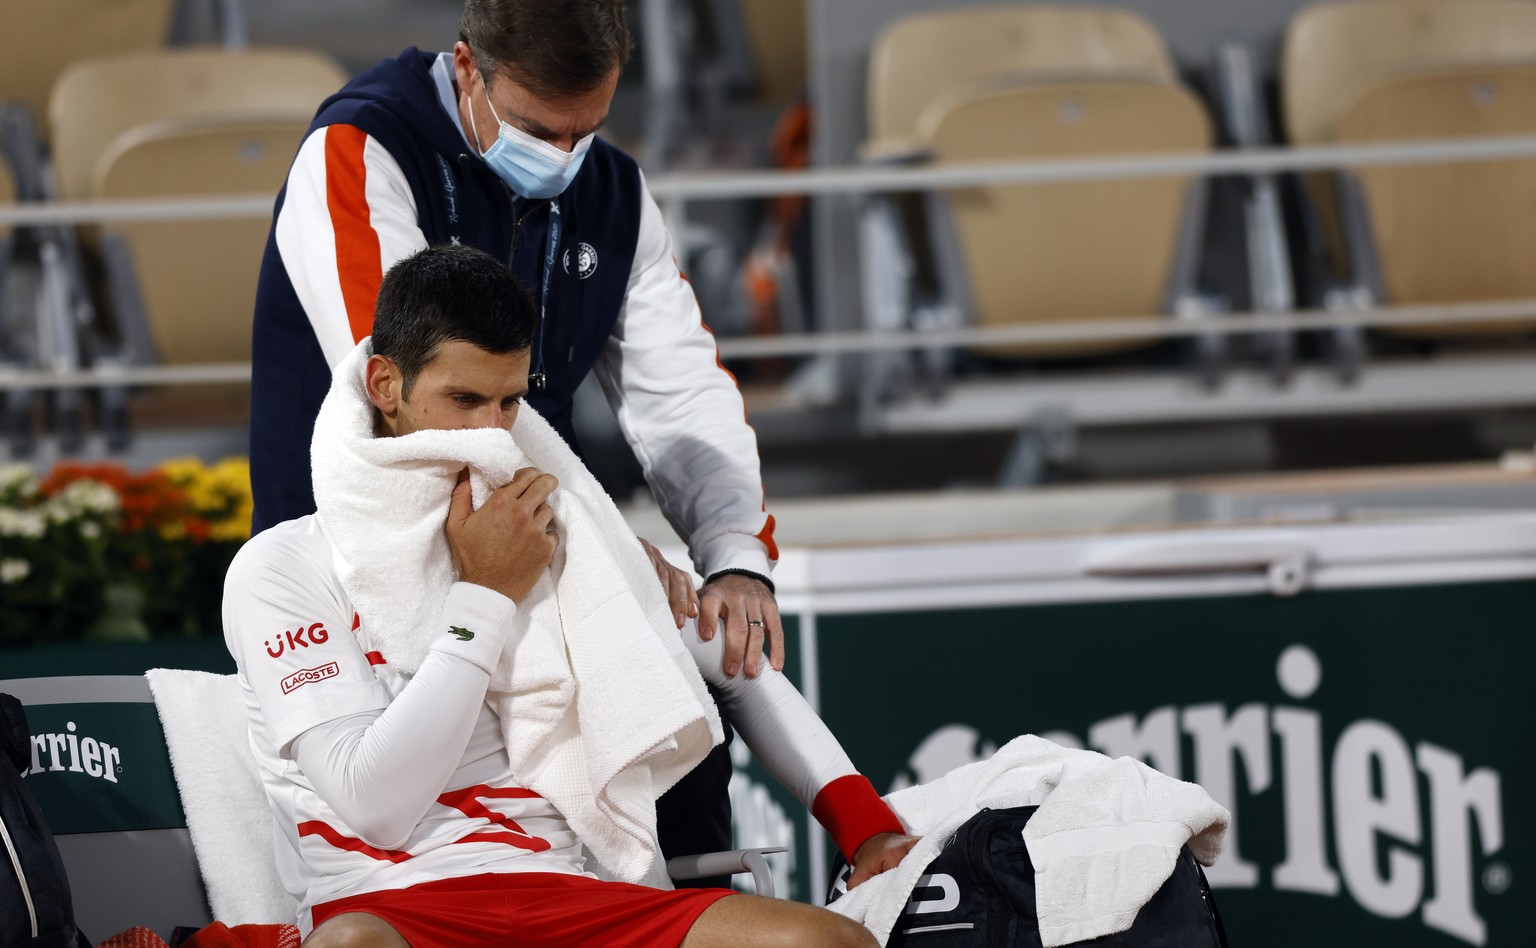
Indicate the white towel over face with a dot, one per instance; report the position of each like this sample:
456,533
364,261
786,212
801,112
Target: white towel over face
601,705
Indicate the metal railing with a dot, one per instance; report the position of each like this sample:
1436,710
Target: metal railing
676,190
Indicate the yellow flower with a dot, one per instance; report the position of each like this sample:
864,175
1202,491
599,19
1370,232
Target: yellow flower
219,494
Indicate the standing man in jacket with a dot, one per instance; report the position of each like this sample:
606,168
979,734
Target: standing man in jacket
494,145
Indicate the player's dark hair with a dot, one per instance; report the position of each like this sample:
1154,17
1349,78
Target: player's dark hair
448,294
554,48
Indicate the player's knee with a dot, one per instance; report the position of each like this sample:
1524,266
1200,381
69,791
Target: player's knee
831,930
851,934
355,930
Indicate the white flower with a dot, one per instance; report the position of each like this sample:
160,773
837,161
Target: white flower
82,497
92,496
90,529
16,475
27,524
14,571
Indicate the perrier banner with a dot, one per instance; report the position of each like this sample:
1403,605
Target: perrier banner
1374,745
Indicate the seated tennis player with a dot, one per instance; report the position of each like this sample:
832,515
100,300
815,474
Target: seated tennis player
462,726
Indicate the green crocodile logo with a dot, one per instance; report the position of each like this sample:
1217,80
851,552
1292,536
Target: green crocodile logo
464,634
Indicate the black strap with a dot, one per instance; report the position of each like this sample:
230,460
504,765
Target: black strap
741,572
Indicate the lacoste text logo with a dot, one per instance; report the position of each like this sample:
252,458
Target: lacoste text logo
307,675
464,634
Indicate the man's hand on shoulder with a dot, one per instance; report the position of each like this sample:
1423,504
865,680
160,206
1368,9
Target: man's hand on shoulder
750,615
676,583
879,853
508,543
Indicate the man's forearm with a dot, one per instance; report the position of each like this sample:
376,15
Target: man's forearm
382,771
797,748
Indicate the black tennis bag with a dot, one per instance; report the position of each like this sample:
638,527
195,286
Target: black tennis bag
979,892
35,908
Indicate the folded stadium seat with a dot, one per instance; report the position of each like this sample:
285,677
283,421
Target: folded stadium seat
184,123
1071,250
37,42
16,334
1459,232
41,39
1354,72
920,58
1032,83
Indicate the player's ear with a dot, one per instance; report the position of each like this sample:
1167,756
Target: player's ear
385,384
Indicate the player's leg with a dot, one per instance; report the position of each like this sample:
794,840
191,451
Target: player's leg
749,921
355,930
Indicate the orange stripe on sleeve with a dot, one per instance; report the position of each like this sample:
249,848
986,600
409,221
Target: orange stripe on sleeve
766,536
358,260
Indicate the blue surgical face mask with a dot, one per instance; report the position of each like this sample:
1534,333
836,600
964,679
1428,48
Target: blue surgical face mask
531,167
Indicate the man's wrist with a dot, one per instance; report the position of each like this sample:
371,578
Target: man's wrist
732,551
852,813
749,574
475,622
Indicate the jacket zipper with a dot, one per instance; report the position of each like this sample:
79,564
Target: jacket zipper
517,221
21,878
517,225
538,379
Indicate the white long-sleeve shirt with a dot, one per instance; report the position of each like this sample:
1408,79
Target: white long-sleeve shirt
377,781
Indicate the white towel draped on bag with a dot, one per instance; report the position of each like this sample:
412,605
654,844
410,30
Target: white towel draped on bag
1104,839
601,705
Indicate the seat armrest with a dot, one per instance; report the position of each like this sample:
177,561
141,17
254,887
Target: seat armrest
728,863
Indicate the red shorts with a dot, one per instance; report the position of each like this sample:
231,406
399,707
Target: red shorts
532,910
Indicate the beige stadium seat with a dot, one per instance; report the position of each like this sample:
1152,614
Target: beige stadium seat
776,31
40,38
920,58
1456,232
96,101
198,278
989,84
181,124
1335,52
1074,250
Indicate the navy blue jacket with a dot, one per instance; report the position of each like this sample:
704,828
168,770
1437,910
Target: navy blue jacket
458,200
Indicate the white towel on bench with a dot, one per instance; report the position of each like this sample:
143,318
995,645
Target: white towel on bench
203,716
